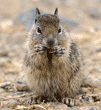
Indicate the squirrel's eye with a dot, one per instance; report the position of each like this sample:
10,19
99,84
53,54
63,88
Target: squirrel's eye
39,30
59,30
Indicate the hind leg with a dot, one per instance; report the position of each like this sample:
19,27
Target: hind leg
37,100
70,102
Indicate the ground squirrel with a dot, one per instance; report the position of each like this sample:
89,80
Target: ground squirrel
52,62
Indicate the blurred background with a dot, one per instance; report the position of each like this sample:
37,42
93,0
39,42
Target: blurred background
81,18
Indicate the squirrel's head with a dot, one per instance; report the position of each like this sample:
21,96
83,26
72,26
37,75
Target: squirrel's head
48,28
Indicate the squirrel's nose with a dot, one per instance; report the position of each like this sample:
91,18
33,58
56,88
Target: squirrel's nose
50,42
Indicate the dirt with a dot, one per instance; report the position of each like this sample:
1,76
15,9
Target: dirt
12,47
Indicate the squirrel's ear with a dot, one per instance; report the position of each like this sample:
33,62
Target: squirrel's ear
56,11
37,11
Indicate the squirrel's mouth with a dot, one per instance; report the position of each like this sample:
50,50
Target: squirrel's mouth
49,49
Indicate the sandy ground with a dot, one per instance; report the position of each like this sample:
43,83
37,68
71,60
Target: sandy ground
13,36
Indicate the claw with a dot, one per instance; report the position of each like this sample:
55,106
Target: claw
59,51
39,48
31,100
70,102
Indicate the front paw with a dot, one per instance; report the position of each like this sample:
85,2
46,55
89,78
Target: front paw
39,48
59,51
70,102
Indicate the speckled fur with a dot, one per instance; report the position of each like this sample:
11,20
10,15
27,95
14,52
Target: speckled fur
62,77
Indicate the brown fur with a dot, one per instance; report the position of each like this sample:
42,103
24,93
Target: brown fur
60,77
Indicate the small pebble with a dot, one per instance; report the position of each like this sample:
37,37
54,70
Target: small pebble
75,109
15,93
12,90
85,97
10,102
84,90
8,87
97,28
97,97
91,100
98,49
20,80
22,99
57,106
92,108
2,90
81,100
3,85
20,107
